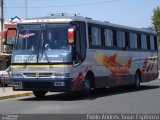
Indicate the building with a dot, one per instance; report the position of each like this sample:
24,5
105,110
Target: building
5,57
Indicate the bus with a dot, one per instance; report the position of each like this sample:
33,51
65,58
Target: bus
70,53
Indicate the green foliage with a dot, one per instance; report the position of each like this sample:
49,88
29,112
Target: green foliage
156,21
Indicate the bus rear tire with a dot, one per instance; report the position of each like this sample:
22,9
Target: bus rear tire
137,80
39,94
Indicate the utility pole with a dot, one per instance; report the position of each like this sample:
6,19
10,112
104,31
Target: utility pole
1,23
26,13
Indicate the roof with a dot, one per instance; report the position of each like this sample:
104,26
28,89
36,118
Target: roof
65,18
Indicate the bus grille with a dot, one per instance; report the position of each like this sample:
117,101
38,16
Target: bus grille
45,75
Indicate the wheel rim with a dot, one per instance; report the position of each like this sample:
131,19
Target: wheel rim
137,81
87,85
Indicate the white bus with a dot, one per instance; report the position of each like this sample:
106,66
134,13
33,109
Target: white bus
73,53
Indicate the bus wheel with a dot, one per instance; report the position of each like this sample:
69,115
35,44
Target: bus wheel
87,86
39,94
137,80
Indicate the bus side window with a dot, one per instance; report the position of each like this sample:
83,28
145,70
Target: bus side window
114,38
144,41
133,41
89,36
80,43
108,36
148,42
155,42
120,39
152,43
77,47
139,41
83,39
96,36
127,40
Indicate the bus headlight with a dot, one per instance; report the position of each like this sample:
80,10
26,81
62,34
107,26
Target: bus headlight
16,75
17,85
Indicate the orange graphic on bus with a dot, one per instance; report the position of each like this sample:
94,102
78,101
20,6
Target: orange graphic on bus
116,64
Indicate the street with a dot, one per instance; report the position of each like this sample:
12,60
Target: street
113,100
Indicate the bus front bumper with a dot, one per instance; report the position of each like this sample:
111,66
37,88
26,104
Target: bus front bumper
56,85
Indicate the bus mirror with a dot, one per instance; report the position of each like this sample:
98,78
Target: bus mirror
71,35
4,36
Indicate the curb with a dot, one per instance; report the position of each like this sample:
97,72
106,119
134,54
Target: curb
16,95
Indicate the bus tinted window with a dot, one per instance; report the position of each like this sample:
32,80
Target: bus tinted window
143,42
77,43
133,40
139,41
83,39
148,42
120,39
96,36
155,42
108,37
152,43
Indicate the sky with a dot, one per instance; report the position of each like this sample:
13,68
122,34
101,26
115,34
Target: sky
134,13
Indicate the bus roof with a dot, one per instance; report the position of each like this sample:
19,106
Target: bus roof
68,18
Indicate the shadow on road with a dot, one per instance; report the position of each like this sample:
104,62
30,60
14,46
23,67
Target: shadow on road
96,94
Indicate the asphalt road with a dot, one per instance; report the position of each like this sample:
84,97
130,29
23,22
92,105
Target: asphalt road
115,100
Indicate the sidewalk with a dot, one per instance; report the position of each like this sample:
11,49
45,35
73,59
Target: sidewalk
7,93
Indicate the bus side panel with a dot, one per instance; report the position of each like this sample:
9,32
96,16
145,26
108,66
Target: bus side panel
111,67
78,75
149,68
115,67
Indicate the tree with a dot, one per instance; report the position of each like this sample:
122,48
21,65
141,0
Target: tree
156,21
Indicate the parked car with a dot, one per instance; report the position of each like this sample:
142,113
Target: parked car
5,77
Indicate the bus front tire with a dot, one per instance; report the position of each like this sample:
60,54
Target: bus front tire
39,94
87,87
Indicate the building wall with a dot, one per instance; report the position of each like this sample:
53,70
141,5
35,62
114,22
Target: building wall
4,58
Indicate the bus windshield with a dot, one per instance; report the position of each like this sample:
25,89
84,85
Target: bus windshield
42,43
28,36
